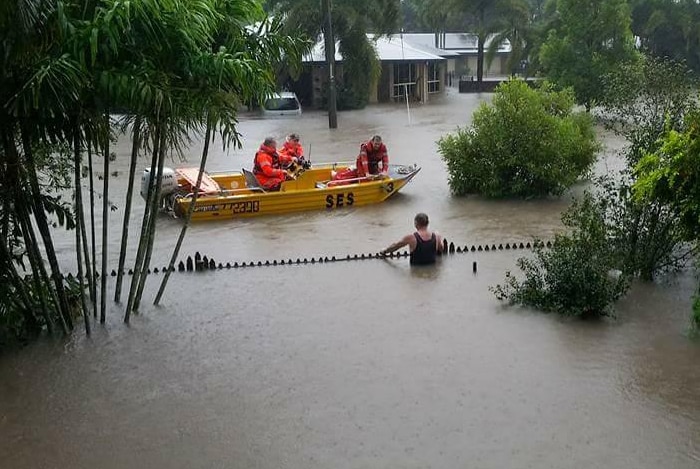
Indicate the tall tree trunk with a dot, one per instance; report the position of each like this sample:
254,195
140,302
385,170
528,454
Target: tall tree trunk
93,292
188,217
105,221
482,35
152,223
480,61
78,223
141,251
136,144
329,40
43,225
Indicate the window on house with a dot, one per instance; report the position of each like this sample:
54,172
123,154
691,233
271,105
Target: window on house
404,80
433,77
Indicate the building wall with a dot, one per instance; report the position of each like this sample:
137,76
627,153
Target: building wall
381,92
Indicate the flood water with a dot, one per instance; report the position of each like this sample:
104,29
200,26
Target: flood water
358,364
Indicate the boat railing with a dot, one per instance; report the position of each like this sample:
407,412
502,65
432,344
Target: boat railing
225,192
339,182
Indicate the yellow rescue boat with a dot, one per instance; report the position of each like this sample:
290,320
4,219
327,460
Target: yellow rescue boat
237,194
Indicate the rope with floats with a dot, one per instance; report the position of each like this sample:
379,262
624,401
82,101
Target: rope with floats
203,263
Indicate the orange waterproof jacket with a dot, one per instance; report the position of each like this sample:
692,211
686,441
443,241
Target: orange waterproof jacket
369,159
291,150
266,167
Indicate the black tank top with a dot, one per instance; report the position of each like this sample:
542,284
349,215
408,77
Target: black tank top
425,252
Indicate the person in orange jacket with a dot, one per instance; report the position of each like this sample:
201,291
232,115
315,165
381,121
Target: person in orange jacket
292,150
267,166
373,158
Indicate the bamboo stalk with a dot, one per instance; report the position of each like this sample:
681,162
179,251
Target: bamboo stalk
105,222
188,217
78,222
35,258
144,227
86,254
152,224
93,292
136,143
18,283
42,224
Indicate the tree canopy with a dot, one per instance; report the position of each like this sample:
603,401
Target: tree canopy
589,40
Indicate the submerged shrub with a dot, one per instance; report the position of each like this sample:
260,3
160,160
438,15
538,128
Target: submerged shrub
527,142
578,276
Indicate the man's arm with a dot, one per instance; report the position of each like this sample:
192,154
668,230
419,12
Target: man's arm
405,241
438,240
363,160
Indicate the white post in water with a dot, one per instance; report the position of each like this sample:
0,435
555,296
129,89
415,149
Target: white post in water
405,85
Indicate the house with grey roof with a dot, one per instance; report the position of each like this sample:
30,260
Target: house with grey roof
462,64
417,65
416,71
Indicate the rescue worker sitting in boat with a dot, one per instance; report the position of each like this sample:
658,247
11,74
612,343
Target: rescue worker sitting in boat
268,164
373,158
294,152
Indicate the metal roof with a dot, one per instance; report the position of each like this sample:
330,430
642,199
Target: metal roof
391,48
462,43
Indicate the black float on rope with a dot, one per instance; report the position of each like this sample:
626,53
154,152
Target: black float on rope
212,264
113,273
474,266
155,270
452,248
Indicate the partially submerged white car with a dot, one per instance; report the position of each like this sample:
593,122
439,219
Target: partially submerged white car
281,104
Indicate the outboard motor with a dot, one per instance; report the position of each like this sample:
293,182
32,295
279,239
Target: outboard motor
168,185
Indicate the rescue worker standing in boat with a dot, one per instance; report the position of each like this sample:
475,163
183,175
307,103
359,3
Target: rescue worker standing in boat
423,244
268,164
373,158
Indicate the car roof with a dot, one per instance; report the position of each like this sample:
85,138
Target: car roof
283,94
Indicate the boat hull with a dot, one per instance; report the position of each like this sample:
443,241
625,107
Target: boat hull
312,190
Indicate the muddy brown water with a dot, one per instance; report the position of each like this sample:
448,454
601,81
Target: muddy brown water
358,364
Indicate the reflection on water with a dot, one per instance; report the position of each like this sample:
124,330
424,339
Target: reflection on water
367,363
